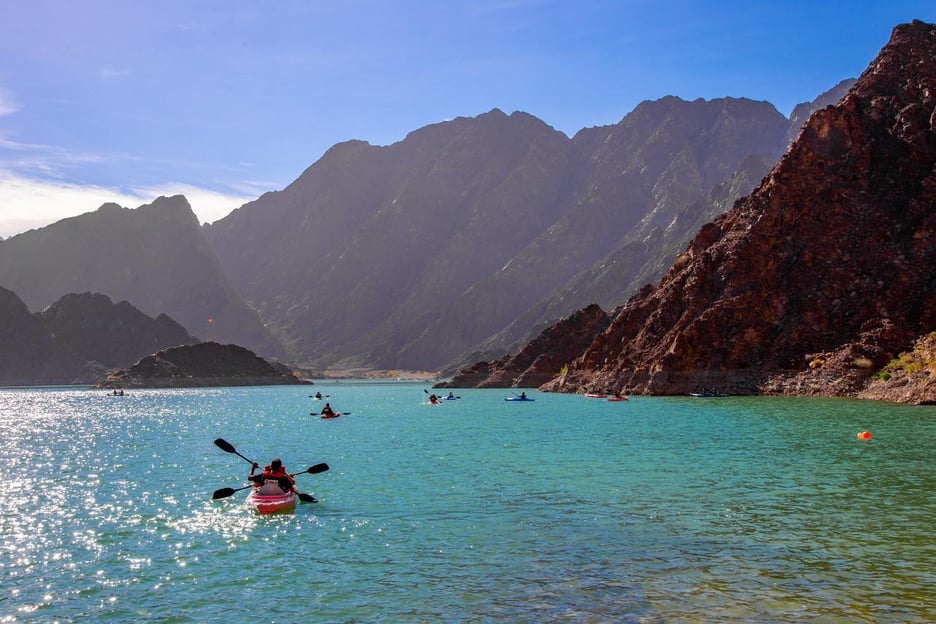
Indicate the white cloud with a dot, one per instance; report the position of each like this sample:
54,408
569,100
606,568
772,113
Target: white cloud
27,203
110,73
7,105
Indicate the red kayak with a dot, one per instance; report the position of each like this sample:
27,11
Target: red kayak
281,503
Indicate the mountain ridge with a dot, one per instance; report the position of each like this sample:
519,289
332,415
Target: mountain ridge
816,279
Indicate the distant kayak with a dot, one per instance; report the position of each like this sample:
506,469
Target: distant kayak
595,395
615,399
518,399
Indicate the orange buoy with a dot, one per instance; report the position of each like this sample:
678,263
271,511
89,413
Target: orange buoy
864,435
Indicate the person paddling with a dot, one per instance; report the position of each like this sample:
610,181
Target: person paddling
328,411
273,480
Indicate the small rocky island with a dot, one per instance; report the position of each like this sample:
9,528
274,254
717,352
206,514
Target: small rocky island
205,364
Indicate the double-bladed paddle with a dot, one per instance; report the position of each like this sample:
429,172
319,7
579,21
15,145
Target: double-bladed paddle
306,498
227,447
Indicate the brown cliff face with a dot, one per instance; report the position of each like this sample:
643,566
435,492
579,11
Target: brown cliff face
820,276
538,362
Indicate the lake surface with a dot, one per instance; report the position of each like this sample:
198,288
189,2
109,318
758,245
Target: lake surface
564,509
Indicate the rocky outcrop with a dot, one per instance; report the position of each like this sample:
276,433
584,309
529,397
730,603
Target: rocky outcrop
909,378
201,365
803,111
819,277
540,360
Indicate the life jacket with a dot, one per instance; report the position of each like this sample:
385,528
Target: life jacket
276,477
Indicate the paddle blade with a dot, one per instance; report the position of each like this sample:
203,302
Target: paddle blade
317,468
225,446
222,493
307,498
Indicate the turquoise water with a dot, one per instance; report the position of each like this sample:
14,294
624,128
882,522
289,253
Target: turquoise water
565,509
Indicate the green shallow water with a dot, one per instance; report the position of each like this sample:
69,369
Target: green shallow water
565,509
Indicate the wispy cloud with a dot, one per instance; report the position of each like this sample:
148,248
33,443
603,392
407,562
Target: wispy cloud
111,73
8,105
29,203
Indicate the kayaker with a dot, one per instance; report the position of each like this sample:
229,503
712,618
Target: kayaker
318,395
273,474
523,395
433,399
327,410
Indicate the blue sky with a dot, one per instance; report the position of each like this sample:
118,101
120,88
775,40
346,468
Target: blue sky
223,100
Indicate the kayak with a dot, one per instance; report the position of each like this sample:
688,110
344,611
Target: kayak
271,503
335,415
595,395
518,399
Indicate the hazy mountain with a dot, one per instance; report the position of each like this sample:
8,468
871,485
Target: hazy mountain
818,278
30,354
114,334
466,238
155,257
77,339
409,255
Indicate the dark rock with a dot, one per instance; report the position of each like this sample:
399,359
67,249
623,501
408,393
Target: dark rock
30,354
201,365
116,335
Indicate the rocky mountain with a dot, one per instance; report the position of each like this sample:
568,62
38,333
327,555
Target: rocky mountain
410,255
114,335
77,339
155,257
461,242
647,251
30,354
802,112
204,364
818,278
539,361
